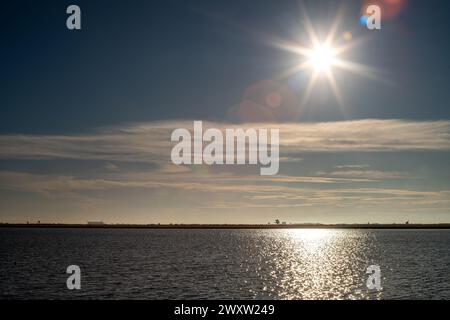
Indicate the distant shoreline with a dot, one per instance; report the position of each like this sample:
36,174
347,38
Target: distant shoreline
227,226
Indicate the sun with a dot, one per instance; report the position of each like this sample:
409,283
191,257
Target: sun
322,58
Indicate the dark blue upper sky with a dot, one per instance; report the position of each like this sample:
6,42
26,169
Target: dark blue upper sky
153,60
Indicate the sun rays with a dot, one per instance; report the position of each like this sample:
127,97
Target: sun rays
322,57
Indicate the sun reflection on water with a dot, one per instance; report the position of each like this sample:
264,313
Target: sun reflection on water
317,264
312,236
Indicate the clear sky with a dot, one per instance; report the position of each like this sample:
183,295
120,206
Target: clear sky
86,116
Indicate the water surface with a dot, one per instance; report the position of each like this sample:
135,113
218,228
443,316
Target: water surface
224,264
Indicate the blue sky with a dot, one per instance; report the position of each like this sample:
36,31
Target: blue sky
86,116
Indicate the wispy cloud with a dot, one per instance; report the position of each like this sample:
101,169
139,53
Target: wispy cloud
367,135
349,186
150,142
111,167
175,177
366,174
265,192
353,166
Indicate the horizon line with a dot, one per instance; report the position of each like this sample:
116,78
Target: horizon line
99,225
